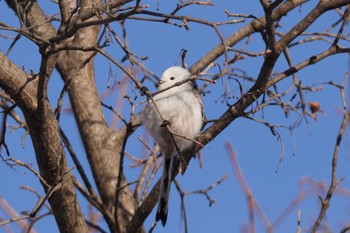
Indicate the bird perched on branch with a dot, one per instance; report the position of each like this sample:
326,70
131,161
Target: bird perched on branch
173,118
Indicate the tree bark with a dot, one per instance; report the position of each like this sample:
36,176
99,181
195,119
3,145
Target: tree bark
102,145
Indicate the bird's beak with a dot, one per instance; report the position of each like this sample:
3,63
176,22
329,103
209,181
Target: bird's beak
160,82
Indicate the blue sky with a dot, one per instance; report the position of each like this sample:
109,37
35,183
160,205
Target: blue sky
308,151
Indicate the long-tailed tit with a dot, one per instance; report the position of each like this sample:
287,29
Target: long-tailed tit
179,109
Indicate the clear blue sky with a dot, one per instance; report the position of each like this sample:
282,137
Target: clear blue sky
308,151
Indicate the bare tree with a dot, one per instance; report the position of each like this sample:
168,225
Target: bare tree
86,29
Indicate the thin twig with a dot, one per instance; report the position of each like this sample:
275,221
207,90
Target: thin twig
94,200
183,206
77,163
3,128
252,203
40,203
334,182
17,162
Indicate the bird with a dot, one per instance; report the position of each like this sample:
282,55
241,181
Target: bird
174,118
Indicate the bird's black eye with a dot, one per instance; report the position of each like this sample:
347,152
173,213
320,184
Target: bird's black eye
172,78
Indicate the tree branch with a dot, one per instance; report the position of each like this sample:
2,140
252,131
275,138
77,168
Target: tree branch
334,182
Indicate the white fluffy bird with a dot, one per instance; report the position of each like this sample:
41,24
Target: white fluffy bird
181,108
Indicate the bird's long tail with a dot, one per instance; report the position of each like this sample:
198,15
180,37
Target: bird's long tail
162,211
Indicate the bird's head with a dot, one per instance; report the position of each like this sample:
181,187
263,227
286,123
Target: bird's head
173,75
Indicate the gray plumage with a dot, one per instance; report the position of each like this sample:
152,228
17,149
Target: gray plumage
182,108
